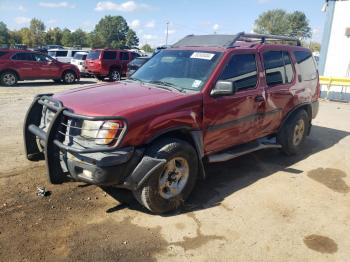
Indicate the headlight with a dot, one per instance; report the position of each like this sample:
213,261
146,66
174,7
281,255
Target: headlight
104,132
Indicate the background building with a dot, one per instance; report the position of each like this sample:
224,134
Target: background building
335,46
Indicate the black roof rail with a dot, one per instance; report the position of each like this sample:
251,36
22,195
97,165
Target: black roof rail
228,41
263,37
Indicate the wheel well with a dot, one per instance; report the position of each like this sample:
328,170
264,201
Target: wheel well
185,135
10,70
115,67
306,107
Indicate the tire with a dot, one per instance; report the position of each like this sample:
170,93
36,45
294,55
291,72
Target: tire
292,134
114,75
155,193
8,78
69,77
123,196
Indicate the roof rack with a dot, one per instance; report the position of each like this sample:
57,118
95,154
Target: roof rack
228,41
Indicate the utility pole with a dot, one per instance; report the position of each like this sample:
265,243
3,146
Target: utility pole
167,33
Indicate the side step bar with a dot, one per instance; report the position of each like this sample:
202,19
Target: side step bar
243,150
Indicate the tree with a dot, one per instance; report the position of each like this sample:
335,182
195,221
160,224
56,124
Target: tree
4,33
79,38
67,37
131,38
147,48
112,31
279,22
54,36
94,41
26,36
37,31
314,46
15,37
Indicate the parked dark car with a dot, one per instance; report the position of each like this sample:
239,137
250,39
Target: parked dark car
136,64
207,99
111,63
18,65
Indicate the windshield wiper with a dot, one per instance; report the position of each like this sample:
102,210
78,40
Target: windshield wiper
166,85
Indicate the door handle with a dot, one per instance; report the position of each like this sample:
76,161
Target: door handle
259,98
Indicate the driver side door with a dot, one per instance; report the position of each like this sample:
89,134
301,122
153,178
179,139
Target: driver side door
47,67
234,119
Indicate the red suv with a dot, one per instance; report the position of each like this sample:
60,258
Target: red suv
111,63
207,99
17,65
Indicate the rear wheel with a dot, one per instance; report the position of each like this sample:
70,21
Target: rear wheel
168,190
69,77
293,133
8,78
114,75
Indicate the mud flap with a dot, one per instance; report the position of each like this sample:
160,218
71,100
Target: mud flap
143,171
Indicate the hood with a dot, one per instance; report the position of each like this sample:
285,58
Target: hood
114,99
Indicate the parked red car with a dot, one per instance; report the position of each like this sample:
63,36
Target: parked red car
207,99
111,63
17,65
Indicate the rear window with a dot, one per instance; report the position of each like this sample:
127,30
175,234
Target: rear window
80,56
306,65
2,53
110,55
124,56
93,55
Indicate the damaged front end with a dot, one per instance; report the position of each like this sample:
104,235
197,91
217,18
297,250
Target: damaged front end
83,148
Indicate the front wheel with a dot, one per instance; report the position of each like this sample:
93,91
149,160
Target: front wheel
69,77
8,79
293,133
168,190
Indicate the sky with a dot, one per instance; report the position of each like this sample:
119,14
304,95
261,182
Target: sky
149,18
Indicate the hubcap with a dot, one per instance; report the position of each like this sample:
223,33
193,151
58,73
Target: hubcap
115,75
299,130
69,77
174,177
9,79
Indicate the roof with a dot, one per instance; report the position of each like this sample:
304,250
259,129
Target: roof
229,41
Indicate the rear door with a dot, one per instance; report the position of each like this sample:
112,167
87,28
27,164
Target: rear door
109,58
233,120
280,81
25,65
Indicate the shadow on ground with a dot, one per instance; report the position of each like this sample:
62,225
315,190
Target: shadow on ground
224,179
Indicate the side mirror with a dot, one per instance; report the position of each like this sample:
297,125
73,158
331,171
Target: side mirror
223,88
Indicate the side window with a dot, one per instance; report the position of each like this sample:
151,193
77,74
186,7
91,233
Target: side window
306,65
73,53
278,68
61,53
110,55
124,56
23,57
242,71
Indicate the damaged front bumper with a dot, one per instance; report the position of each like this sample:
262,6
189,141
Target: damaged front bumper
65,158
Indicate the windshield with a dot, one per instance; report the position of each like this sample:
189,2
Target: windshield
93,55
181,69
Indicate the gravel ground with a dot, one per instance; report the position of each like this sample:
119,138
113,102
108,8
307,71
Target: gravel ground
260,207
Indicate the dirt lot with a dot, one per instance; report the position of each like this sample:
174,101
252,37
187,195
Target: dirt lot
260,207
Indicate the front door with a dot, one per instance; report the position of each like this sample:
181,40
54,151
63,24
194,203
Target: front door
233,120
46,66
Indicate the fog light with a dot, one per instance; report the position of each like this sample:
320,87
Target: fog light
87,173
